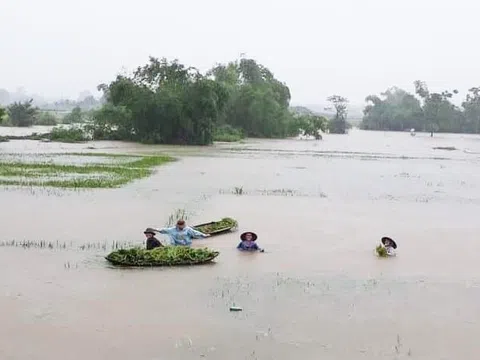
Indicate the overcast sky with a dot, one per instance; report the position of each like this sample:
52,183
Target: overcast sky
57,48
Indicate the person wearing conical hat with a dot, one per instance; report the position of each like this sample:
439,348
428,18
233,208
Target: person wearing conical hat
152,241
248,242
389,245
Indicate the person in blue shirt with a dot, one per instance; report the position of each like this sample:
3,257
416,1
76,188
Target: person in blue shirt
182,234
248,242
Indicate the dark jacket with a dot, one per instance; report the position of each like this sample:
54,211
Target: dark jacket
153,243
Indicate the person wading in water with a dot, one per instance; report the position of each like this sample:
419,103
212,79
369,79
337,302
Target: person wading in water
152,241
182,234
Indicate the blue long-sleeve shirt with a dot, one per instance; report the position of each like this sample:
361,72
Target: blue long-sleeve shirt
182,237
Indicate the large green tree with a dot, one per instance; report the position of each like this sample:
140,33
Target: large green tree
162,102
395,110
22,114
338,124
471,107
258,103
438,111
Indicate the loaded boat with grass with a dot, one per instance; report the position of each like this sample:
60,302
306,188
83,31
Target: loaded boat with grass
217,227
162,256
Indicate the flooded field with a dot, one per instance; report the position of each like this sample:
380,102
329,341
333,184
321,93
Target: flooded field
318,292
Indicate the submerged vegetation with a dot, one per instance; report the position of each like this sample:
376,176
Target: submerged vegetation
62,245
114,171
164,256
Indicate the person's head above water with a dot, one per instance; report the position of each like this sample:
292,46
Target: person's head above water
248,236
386,241
180,224
149,233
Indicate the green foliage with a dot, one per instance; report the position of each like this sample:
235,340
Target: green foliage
68,135
338,125
308,125
163,102
22,114
258,103
74,117
46,118
471,107
3,114
163,256
5,121
399,110
227,133
111,122
381,251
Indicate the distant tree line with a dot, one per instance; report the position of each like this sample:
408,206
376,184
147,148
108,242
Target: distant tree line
166,102
25,114
398,110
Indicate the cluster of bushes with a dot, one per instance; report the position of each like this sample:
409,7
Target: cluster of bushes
25,114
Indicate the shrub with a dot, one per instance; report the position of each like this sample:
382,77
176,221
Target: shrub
227,133
68,135
46,119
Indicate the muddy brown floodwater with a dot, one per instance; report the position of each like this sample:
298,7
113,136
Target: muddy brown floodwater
318,292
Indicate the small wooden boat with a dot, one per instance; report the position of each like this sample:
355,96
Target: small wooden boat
166,256
217,227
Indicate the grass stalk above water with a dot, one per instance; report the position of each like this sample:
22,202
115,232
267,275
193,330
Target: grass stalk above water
86,176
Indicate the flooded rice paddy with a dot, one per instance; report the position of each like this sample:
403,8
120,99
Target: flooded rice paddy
318,292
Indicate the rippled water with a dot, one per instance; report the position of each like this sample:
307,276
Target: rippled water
317,293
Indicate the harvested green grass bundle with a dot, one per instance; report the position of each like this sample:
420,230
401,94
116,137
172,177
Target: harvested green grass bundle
381,251
164,256
224,225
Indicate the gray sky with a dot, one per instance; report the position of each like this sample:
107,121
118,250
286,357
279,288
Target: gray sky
57,48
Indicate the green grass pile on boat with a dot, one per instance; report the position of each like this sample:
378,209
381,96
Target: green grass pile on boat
225,223
164,256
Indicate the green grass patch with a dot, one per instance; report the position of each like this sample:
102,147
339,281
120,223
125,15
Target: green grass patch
86,176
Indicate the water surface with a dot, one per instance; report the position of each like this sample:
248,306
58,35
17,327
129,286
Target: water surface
319,208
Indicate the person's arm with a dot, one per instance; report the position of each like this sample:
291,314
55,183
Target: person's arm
240,246
256,247
164,230
197,234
